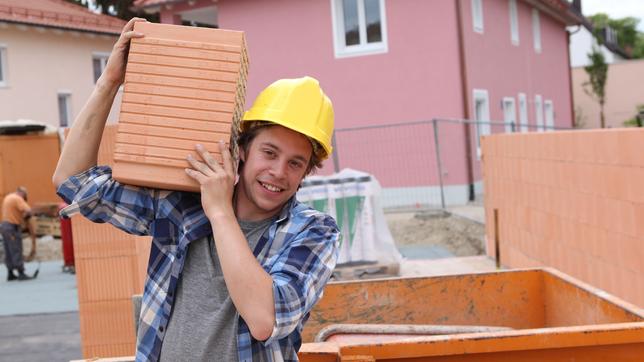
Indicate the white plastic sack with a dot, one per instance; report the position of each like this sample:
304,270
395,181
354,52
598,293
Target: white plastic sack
353,199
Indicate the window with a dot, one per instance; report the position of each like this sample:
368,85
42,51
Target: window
99,60
536,30
509,114
523,112
64,109
538,112
3,65
481,116
514,22
359,27
477,15
549,111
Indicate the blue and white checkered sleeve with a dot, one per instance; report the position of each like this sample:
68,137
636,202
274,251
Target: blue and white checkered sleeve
303,269
101,199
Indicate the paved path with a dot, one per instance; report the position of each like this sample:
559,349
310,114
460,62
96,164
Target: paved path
472,212
52,292
40,337
39,319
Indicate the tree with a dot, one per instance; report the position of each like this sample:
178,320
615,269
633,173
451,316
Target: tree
119,8
638,119
595,87
628,37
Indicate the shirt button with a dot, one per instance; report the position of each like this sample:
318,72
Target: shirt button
179,255
170,294
161,329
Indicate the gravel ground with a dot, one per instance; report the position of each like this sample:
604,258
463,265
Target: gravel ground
460,236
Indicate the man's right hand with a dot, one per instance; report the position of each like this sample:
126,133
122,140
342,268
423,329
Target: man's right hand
114,72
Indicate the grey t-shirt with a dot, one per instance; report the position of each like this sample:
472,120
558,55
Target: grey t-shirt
203,324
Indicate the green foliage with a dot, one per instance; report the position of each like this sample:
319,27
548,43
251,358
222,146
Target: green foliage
638,48
597,75
119,8
628,38
638,119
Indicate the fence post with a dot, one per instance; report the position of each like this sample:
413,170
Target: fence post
336,162
438,162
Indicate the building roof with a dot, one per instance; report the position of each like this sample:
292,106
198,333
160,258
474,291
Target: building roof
561,10
142,4
58,14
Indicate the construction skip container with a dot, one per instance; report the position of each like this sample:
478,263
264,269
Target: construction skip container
518,315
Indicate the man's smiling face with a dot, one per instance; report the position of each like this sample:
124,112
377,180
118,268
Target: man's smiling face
275,163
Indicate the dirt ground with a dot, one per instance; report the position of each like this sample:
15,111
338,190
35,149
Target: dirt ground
460,236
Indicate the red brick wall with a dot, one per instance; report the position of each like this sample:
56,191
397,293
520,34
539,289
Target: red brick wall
573,200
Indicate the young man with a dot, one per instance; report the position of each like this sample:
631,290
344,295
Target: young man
234,270
15,210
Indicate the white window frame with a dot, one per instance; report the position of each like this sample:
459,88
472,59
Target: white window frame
514,22
68,107
102,56
364,48
536,30
482,129
538,112
477,16
4,82
509,106
549,114
523,112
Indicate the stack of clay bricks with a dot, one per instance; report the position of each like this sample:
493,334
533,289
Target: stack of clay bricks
183,86
571,200
110,268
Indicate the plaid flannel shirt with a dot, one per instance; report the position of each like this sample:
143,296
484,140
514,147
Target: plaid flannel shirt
299,251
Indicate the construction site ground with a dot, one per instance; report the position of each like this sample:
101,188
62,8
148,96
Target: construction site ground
39,319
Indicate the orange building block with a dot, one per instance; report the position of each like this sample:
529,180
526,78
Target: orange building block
581,199
29,160
183,85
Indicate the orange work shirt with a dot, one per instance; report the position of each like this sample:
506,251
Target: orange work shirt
14,208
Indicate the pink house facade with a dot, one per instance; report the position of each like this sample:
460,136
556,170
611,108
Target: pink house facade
402,62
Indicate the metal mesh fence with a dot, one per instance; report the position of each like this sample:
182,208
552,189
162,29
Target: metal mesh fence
423,164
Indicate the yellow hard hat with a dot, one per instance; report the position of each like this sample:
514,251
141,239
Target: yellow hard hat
298,104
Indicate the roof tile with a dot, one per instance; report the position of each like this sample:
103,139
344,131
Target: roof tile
58,14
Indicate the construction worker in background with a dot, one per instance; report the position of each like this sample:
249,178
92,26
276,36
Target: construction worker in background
234,270
15,210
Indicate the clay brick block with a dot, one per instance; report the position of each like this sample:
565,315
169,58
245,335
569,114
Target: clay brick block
629,253
107,328
103,279
634,179
629,151
110,351
183,85
93,240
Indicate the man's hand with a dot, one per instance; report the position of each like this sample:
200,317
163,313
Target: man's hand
217,181
114,72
